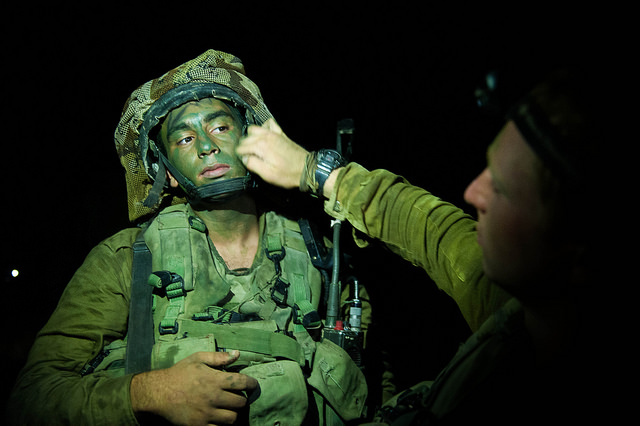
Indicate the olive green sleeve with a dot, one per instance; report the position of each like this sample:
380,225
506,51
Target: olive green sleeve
92,312
426,231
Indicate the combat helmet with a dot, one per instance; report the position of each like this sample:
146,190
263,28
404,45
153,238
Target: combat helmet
213,74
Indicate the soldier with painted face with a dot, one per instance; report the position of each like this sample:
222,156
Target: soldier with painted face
208,310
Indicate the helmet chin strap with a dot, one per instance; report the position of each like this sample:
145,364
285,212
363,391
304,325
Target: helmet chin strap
211,193
218,192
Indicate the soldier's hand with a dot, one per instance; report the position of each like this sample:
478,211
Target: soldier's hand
268,152
193,391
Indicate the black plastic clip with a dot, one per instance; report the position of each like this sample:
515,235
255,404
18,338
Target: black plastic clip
168,330
279,291
276,256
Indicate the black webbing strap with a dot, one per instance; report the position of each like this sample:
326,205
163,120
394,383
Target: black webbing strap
140,328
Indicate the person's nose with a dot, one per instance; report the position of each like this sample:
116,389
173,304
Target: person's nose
478,191
207,146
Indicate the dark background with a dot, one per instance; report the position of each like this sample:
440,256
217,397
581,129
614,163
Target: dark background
406,76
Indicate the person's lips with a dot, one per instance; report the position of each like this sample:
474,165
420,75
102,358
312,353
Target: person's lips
214,171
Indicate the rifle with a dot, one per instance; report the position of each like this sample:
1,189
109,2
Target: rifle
348,335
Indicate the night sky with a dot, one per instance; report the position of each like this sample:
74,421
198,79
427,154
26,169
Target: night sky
406,77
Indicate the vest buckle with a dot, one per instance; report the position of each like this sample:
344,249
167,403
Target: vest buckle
276,256
279,291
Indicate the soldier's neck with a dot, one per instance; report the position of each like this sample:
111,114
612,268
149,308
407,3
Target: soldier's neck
234,229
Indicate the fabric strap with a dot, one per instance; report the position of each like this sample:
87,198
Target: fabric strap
140,328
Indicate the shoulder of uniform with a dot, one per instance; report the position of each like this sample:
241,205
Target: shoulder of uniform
181,208
125,238
122,240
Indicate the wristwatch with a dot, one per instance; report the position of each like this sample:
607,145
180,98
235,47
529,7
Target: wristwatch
327,160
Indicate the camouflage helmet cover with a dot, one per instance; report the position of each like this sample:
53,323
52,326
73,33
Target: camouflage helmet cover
212,74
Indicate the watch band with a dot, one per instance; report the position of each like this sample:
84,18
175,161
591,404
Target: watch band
327,160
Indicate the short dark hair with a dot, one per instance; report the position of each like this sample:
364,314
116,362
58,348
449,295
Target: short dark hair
568,105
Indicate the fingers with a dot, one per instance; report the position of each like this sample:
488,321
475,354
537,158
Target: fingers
194,391
269,153
217,359
233,381
253,163
239,382
271,125
253,143
260,136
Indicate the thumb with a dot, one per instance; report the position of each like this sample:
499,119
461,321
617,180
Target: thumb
271,124
219,359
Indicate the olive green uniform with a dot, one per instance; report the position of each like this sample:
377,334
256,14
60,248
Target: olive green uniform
494,376
428,232
68,379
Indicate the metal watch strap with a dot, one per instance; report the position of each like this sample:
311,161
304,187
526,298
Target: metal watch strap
327,160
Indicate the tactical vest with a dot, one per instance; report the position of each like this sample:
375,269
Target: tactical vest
269,302
265,312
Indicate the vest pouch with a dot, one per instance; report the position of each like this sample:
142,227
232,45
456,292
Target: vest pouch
167,353
283,394
339,380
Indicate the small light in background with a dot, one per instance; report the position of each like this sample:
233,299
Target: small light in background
15,273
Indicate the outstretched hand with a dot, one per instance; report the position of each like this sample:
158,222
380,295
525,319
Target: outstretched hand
269,153
193,391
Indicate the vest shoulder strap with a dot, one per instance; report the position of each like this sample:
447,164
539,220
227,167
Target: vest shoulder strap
140,327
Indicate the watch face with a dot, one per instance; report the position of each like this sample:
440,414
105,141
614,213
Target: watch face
331,157
327,161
